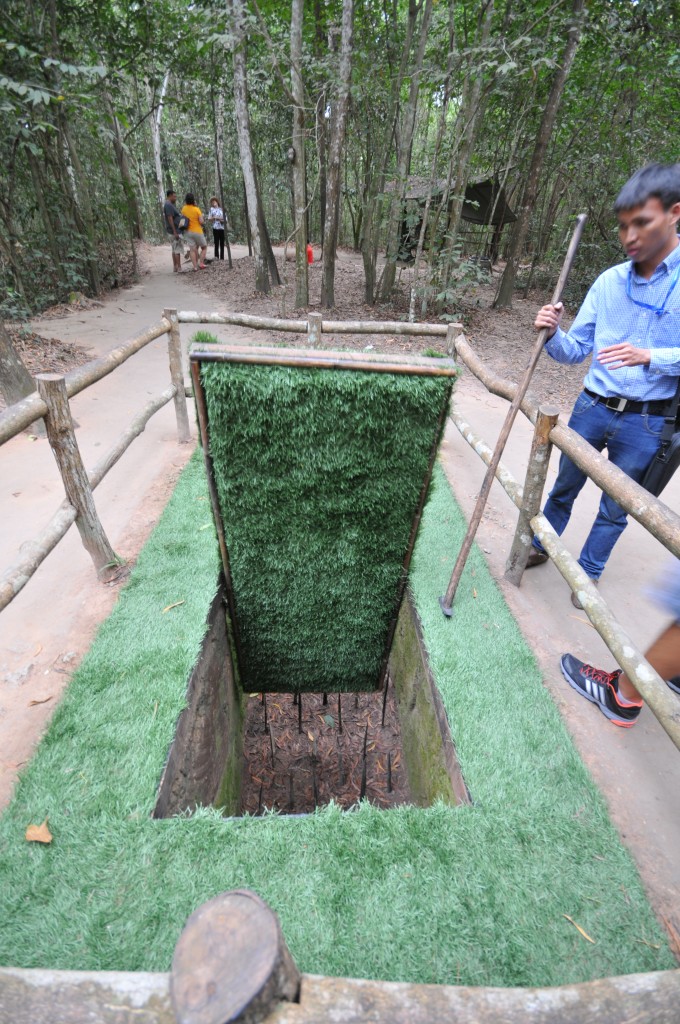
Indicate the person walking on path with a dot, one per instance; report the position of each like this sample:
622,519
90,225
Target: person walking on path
171,216
613,692
194,236
217,219
630,323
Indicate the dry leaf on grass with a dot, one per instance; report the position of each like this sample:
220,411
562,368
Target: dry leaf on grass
579,929
38,833
32,703
175,605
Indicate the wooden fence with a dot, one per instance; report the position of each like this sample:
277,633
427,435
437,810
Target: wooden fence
231,963
51,401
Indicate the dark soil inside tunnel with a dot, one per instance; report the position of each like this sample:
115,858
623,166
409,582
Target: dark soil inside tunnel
298,756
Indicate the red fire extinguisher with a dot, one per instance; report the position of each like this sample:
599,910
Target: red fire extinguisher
310,253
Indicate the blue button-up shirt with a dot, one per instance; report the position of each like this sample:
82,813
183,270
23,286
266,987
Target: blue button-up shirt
608,317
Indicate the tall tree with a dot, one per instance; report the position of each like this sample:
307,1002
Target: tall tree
298,156
242,117
521,229
404,149
337,140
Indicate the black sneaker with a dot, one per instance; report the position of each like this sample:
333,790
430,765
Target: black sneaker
601,688
674,683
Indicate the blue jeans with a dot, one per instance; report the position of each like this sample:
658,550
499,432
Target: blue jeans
632,440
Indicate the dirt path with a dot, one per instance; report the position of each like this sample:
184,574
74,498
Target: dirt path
49,626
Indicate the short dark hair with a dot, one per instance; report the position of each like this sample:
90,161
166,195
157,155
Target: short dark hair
660,181
189,199
170,192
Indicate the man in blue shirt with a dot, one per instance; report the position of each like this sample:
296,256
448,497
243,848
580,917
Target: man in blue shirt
630,323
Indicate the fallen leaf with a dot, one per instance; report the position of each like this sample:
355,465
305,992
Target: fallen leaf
652,945
311,737
37,651
175,605
32,703
474,592
206,527
329,720
579,929
39,833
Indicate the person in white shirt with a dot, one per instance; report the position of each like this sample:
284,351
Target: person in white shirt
216,218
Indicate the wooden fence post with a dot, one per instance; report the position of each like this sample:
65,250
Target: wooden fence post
231,963
451,331
59,424
177,376
314,321
534,483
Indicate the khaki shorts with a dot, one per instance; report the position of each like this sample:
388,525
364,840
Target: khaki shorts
177,244
195,239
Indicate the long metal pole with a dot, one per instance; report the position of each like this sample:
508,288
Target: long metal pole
446,601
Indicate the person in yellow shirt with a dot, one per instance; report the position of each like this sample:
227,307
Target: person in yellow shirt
193,235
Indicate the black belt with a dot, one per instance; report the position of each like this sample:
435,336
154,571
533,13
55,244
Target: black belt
657,408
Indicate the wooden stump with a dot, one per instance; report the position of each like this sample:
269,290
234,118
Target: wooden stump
231,963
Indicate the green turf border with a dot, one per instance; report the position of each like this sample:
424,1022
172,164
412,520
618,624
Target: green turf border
474,895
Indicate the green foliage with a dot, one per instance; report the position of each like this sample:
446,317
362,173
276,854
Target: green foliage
319,474
67,70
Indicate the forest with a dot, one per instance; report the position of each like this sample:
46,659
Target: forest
311,121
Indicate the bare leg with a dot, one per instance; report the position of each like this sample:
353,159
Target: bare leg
193,252
663,656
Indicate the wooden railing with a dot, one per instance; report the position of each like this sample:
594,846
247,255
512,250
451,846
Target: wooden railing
231,963
51,401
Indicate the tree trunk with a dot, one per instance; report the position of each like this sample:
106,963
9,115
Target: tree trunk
46,218
338,123
519,235
404,159
245,146
298,168
129,191
15,380
320,116
156,117
376,180
468,135
265,241
82,205
441,128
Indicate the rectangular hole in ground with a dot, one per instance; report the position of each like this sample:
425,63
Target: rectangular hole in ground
223,754
304,751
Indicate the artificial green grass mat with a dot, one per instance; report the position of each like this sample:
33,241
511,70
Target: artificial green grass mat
319,475
474,895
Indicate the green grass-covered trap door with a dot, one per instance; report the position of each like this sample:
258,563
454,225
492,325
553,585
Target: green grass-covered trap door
319,464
